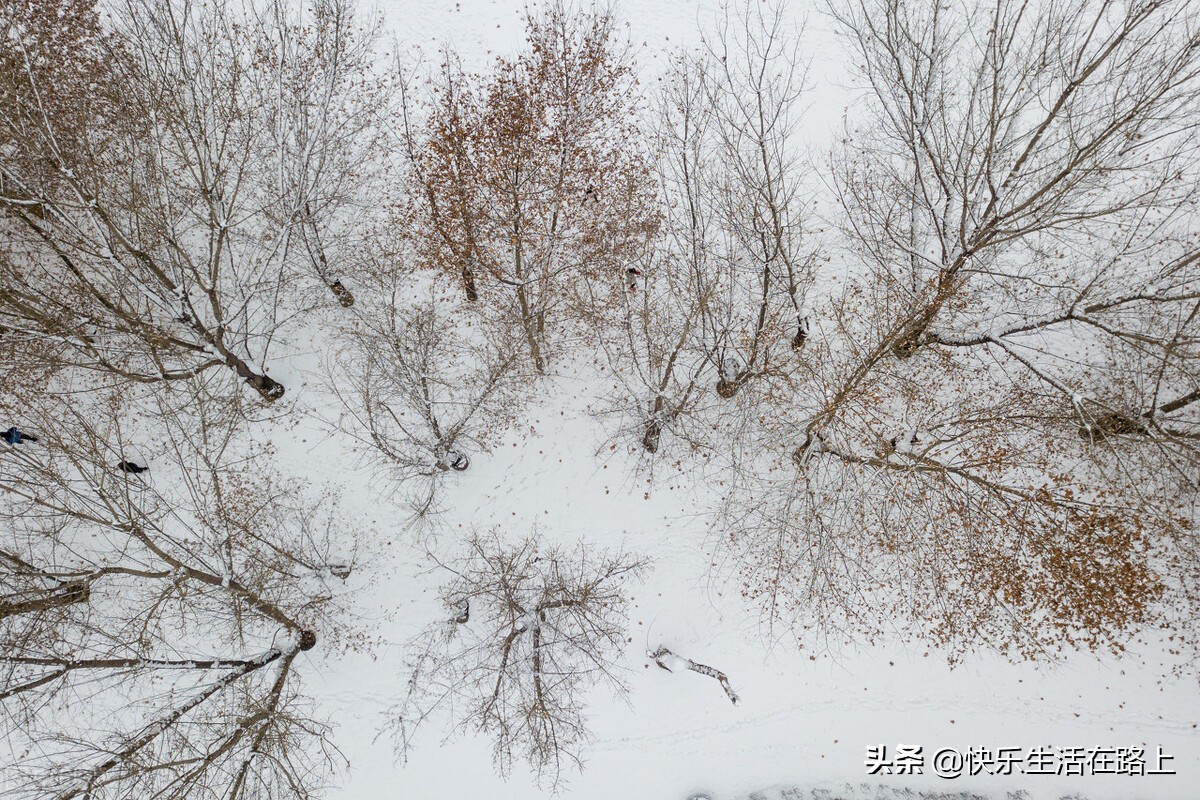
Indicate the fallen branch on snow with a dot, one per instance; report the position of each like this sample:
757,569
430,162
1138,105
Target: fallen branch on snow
671,662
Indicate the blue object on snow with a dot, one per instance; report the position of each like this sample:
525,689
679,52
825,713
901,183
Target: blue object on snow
12,436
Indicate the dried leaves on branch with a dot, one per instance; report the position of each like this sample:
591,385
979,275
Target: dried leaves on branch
529,181
160,185
998,429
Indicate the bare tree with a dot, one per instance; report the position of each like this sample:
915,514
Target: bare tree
725,290
424,386
731,170
152,625
531,178
998,430
151,230
534,627
656,343
328,134
657,356
751,78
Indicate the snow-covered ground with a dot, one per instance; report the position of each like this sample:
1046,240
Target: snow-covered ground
805,721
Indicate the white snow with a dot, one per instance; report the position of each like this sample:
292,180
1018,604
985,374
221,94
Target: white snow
805,718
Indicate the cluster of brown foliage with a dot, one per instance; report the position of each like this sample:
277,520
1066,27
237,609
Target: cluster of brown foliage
532,187
164,183
997,416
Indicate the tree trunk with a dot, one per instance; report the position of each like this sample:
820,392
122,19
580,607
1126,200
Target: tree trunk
343,295
468,277
671,662
316,251
65,595
651,437
271,390
529,323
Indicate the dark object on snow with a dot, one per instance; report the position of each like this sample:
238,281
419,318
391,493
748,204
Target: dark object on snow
633,274
802,329
671,662
812,445
1112,424
465,616
731,377
308,640
454,460
908,440
652,436
343,295
132,468
589,193
14,436
271,390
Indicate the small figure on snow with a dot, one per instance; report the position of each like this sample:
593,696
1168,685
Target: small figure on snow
633,274
132,468
454,460
907,442
14,436
802,330
589,194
